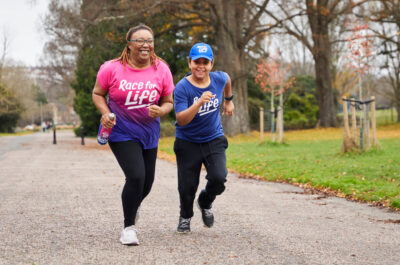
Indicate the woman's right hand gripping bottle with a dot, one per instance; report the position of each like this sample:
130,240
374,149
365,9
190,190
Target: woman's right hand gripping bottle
104,133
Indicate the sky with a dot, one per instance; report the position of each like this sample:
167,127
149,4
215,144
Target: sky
20,21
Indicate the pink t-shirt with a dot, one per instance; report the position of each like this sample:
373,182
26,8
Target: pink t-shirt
130,92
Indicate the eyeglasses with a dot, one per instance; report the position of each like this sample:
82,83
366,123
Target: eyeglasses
141,42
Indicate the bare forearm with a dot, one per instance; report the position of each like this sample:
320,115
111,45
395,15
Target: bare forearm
166,108
186,116
228,88
100,103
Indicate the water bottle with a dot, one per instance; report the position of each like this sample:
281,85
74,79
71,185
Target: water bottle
104,133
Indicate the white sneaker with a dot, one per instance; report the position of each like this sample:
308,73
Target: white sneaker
129,236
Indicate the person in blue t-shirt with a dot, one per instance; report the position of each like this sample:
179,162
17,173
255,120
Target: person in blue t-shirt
199,135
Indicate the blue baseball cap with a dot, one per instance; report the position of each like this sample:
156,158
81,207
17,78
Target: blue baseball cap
201,50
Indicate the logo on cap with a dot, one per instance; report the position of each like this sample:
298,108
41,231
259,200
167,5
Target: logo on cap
202,49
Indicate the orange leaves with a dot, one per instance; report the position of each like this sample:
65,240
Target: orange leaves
271,75
360,46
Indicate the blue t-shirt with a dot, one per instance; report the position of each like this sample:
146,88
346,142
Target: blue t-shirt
206,124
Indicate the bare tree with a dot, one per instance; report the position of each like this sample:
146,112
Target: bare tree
386,16
4,49
63,26
323,16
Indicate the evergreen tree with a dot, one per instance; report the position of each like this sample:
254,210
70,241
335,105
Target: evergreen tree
10,110
101,42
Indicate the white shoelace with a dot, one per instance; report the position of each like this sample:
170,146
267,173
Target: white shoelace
208,212
185,221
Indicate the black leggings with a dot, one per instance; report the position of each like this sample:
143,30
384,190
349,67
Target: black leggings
139,166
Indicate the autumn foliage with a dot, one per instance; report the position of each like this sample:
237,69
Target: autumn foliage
270,75
360,46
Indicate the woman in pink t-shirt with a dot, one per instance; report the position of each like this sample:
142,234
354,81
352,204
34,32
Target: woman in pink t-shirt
139,86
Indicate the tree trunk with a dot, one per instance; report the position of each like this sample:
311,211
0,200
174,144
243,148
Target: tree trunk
230,57
319,23
327,113
238,123
396,89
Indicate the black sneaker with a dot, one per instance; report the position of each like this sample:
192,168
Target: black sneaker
184,225
207,215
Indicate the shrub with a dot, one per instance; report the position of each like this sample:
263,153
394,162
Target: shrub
167,129
301,106
10,110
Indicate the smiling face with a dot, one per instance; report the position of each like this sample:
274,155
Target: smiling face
200,68
140,52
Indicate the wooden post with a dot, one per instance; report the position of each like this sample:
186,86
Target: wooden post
373,121
262,125
366,127
272,124
391,113
280,124
346,118
353,121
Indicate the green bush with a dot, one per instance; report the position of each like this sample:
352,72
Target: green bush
301,106
78,131
167,129
10,110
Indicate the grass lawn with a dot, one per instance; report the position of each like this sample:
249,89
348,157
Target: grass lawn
313,158
386,116
14,134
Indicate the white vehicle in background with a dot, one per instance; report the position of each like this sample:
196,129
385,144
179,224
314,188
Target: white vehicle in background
29,128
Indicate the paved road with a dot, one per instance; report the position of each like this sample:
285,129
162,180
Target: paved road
60,204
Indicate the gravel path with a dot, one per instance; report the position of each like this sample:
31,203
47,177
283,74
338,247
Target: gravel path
60,204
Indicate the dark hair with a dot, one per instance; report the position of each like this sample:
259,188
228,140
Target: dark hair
124,57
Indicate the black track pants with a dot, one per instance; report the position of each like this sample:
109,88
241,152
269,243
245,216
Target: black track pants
138,165
190,157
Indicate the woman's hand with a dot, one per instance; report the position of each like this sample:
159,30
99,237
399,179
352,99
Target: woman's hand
155,111
107,122
163,108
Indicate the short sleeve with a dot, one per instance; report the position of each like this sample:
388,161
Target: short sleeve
180,99
104,75
223,78
168,82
